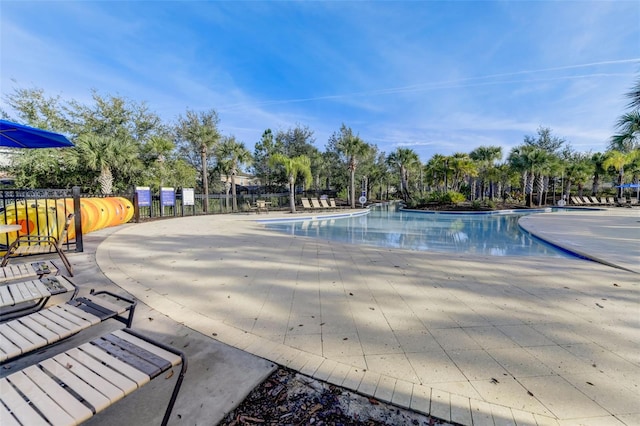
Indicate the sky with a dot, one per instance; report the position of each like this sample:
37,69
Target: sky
439,77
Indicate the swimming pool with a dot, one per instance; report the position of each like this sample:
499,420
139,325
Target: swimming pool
386,226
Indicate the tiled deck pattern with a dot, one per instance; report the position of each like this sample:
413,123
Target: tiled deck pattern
469,339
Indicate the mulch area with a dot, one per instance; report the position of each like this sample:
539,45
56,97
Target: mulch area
289,398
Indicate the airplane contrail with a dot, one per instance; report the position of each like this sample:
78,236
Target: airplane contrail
449,84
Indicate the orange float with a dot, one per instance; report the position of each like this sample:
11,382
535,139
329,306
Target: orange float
47,216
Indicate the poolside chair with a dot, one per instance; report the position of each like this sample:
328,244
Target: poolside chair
586,200
577,201
332,203
305,203
315,203
611,201
603,201
24,271
82,381
594,200
30,245
28,333
324,204
622,201
633,201
21,298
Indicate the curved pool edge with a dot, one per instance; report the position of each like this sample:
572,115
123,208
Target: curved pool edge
321,216
560,231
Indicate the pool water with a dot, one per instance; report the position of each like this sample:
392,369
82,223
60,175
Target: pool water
386,226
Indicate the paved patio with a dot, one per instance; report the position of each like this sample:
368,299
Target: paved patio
470,339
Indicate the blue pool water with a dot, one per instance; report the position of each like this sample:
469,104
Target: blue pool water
385,226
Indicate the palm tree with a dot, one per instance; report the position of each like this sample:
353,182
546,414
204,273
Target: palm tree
617,160
200,130
402,159
293,167
628,138
106,154
353,148
485,156
231,154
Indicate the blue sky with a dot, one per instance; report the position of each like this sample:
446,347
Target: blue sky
434,76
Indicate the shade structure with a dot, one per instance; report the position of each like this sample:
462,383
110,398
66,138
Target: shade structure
629,185
15,135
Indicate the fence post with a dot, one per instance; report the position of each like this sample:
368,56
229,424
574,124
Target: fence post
77,219
136,209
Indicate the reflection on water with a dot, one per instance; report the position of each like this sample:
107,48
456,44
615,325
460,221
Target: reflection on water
495,235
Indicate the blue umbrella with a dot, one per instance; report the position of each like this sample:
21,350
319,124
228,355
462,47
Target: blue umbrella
15,135
629,185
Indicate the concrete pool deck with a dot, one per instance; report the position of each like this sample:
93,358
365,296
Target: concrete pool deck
470,339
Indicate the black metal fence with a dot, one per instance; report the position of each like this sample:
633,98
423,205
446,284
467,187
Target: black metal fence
43,211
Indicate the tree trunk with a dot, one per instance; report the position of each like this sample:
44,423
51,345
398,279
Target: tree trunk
353,187
205,179
234,199
292,195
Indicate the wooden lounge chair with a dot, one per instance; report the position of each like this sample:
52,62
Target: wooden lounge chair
29,245
315,203
261,206
20,298
324,203
305,203
332,203
622,201
611,201
576,200
24,271
586,200
633,201
78,383
603,201
27,333
594,200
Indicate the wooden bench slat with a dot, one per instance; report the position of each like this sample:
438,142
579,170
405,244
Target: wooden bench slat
125,369
19,292
105,387
27,333
123,383
36,291
5,296
81,314
45,322
10,334
169,356
18,406
43,402
6,418
96,399
39,329
43,289
60,321
9,349
61,311
76,409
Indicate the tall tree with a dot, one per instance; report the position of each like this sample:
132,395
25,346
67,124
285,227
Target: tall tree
351,150
105,155
293,167
198,133
618,160
485,157
263,150
402,159
233,154
628,137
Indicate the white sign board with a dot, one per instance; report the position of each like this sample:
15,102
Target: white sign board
188,198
